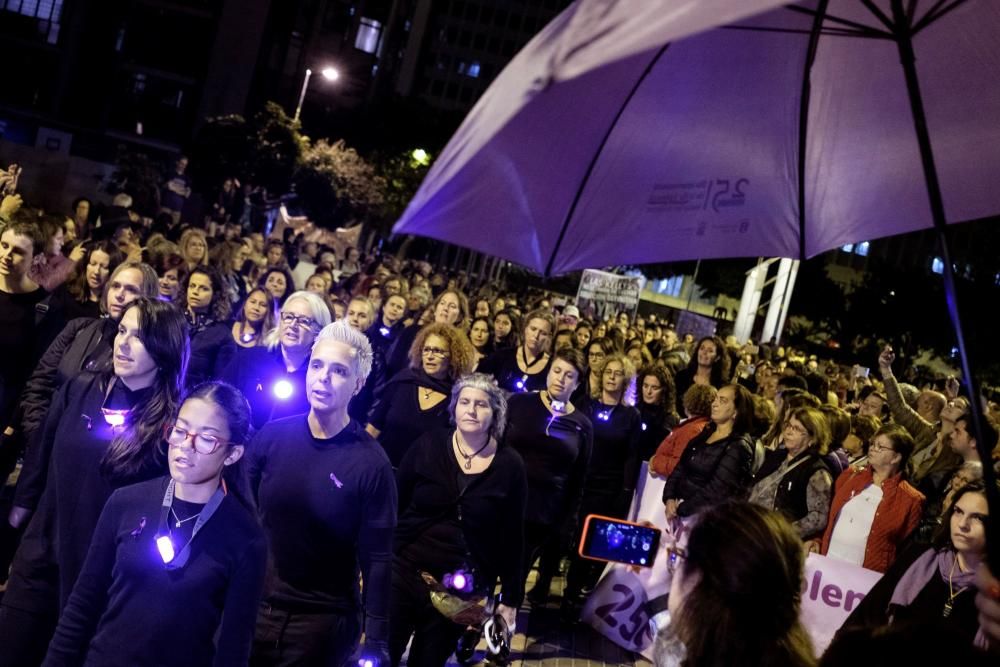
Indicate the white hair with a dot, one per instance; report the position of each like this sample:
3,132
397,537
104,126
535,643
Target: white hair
317,307
123,200
361,349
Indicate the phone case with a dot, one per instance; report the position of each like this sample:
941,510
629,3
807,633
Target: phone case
587,523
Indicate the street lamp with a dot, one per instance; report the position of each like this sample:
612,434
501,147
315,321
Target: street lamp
329,73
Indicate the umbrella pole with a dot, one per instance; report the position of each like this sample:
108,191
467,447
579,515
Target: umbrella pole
904,41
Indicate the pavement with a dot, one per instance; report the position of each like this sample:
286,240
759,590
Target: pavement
543,640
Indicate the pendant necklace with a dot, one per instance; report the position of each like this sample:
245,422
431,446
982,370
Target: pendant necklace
952,593
468,457
178,521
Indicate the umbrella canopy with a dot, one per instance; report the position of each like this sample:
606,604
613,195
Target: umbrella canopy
623,135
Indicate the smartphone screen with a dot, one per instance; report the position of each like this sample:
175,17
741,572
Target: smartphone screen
619,541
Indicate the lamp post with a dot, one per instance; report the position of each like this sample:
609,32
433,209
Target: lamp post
329,73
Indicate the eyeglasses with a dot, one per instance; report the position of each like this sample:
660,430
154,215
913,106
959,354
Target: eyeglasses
203,443
795,429
613,374
290,319
880,448
675,556
435,352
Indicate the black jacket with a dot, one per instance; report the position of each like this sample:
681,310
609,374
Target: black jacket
212,348
490,510
85,344
708,474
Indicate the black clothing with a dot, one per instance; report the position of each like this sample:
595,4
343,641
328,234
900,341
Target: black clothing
791,497
654,427
289,639
212,348
17,346
398,355
382,337
128,609
614,459
255,371
502,365
434,635
397,414
360,406
443,527
708,474
684,378
83,345
62,478
62,307
556,453
327,506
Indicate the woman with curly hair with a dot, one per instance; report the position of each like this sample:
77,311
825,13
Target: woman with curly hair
709,365
655,401
207,308
415,400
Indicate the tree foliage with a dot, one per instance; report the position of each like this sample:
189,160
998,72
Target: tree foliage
337,186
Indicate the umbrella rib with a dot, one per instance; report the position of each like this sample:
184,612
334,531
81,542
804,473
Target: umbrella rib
879,14
817,29
836,19
936,13
597,154
833,32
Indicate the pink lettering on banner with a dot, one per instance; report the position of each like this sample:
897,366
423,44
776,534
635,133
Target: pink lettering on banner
832,589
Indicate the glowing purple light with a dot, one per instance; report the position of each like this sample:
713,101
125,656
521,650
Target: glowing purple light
114,418
366,662
643,426
282,389
459,581
384,331
604,415
165,547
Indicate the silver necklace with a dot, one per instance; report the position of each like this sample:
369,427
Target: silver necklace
178,521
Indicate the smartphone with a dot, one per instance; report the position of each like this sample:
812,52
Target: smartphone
861,371
618,541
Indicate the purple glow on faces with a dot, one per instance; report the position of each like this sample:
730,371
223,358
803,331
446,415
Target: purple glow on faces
165,547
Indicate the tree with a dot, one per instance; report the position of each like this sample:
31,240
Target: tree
336,186
279,148
224,148
402,174
139,177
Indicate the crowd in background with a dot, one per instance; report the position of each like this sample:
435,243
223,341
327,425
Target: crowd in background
502,416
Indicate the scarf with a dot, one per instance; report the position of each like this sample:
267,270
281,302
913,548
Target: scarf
918,575
417,377
198,322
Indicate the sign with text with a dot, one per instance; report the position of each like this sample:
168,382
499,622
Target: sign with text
601,287
832,589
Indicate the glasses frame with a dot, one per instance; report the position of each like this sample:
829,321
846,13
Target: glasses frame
193,437
435,352
675,556
298,321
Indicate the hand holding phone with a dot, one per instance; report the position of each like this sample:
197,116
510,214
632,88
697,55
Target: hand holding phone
618,541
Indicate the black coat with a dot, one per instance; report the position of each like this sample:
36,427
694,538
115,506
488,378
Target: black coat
708,474
212,348
490,510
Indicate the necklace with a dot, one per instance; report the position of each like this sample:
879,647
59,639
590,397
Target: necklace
427,393
952,593
524,356
178,521
468,457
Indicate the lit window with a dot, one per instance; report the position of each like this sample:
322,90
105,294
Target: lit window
473,69
848,248
670,286
861,249
937,266
369,33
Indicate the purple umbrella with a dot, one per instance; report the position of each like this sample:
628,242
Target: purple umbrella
628,133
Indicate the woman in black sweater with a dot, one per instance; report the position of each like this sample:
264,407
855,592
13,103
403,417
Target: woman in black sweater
102,432
461,508
526,367
205,556
207,308
415,401
656,401
554,439
716,464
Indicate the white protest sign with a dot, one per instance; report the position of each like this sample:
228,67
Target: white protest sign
603,288
832,589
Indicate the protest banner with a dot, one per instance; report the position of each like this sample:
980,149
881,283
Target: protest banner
832,589
600,291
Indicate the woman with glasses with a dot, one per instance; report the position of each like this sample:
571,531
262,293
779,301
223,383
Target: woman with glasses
554,439
257,317
451,307
795,480
613,469
461,499
525,367
415,400
102,432
597,351
271,375
207,308
175,557
874,509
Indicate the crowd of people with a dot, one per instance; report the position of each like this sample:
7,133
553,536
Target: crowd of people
232,449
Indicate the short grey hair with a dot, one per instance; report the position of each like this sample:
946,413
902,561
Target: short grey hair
497,398
342,332
317,308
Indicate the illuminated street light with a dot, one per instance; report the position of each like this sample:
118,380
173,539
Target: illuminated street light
329,73
420,156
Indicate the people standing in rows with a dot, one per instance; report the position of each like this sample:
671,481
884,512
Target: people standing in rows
506,325
613,468
717,463
257,317
326,496
278,281
102,432
450,307
795,480
415,400
525,367
124,606
596,352
389,324
698,400
555,440
481,337
207,309
272,375
461,500
655,402
709,365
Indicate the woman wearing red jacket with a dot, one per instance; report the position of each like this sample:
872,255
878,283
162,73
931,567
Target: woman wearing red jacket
874,510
